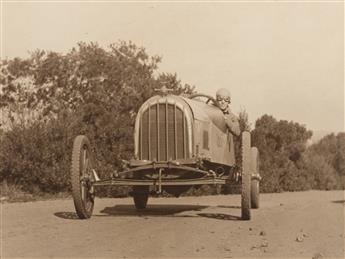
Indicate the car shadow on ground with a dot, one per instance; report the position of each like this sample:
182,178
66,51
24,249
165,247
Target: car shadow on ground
152,210
66,215
220,216
168,210
340,201
229,207
157,210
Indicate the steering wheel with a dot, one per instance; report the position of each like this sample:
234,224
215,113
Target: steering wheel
208,97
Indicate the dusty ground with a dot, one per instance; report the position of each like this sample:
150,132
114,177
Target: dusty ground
302,224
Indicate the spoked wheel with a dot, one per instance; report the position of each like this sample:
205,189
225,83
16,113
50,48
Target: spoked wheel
255,184
140,196
246,175
81,177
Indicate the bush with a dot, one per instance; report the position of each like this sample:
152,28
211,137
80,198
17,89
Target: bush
36,156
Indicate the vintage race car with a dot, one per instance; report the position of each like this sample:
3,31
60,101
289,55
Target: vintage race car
179,142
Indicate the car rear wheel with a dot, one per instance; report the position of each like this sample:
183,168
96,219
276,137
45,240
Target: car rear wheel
81,177
255,184
255,194
246,176
140,196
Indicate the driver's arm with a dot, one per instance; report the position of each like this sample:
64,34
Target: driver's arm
233,124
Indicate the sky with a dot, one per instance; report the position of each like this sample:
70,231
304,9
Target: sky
285,59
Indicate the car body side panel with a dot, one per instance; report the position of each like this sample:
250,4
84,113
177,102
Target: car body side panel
212,144
213,141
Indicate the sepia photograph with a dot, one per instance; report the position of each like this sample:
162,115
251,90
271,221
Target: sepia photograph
172,129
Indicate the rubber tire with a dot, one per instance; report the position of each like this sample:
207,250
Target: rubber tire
255,194
246,176
83,205
255,184
140,196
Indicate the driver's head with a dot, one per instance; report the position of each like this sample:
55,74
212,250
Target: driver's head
223,98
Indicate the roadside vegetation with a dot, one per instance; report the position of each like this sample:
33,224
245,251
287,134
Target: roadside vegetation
49,98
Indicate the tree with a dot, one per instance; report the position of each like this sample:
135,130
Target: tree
328,154
281,145
174,85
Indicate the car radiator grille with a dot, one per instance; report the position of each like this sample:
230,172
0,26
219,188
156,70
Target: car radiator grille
163,133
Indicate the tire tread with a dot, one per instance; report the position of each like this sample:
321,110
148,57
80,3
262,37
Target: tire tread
246,176
79,205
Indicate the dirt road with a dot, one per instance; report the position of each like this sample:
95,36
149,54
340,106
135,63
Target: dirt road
302,224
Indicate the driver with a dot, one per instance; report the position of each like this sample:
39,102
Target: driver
224,99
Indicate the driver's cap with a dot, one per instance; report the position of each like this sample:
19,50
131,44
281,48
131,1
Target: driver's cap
223,94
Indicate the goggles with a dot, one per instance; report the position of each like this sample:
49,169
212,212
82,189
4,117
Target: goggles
226,99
